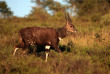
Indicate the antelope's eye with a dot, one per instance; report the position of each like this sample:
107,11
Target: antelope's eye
71,26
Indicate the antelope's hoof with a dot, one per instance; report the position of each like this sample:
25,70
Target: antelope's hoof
13,54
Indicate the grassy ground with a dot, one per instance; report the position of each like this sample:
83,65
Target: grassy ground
86,52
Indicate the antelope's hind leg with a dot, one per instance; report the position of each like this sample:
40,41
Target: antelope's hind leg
17,47
47,47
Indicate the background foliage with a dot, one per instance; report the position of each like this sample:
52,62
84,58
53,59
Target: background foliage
5,10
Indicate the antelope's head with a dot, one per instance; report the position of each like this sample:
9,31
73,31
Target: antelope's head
69,26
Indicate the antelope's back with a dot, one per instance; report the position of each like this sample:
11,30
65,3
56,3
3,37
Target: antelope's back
38,35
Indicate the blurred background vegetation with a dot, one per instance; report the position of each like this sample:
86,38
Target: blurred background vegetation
86,52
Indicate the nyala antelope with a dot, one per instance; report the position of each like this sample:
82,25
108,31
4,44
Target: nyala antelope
44,36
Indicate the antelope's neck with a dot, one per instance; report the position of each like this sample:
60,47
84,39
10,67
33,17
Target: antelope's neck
62,32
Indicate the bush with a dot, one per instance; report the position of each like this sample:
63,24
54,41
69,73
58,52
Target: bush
105,20
95,17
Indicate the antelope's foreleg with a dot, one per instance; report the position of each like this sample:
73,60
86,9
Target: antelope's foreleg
47,52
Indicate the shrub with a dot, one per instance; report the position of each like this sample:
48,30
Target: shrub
105,20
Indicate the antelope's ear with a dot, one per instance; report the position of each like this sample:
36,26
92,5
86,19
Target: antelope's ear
67,22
